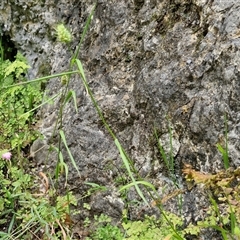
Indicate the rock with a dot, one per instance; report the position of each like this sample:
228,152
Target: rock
39,151
148,64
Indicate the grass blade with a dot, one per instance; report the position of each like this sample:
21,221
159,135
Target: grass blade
40,79
80,67
126,163
60,165
224,155
72,94
69,152
89,19
81,72
47,101
138,182
161,150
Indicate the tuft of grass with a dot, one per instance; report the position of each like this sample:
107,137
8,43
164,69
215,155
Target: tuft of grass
168,159
224,150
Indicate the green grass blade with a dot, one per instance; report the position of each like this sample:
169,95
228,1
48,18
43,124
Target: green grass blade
161,150
224,155
138,183
96,186
19,231
127,166
81,72
36,213
65,166
47,101
68,150
171,159
40,79
10,227
223,232
57,170
89,19
80,67
233,220
60,165
226,158
217,211
215,206
221,149
72,94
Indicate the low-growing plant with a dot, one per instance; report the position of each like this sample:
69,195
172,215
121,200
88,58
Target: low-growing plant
104,230
25,212
15,102
223,188
28,213
152,228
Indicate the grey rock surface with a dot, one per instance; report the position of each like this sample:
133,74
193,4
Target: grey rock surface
151,64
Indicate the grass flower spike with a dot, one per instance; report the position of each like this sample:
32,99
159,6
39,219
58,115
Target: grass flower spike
63,34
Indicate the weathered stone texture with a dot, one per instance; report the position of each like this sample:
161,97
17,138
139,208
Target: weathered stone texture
145,61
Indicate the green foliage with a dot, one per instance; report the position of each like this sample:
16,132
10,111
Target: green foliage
104,230
18,67
224,212
23,213
13,185
108,232
26,212
46,213
15,102
151,228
